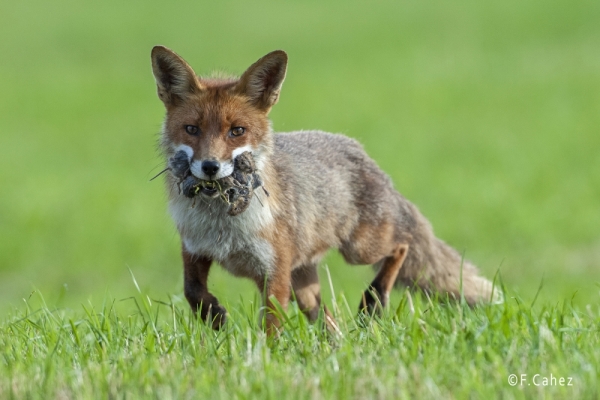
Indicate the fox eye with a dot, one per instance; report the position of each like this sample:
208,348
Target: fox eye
191,129
237,131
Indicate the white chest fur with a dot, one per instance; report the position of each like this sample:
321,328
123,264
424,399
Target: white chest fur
206,229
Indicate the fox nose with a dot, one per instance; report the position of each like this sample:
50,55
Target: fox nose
210,168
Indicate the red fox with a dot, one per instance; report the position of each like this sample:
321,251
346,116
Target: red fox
323,192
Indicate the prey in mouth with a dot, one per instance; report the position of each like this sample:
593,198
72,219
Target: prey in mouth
236,189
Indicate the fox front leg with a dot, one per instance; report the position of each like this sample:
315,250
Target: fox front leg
195,277
276,291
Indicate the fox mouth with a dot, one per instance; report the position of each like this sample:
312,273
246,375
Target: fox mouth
206,188
209,191
235,189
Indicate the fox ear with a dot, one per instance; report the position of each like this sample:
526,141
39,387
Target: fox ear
262,81
175,79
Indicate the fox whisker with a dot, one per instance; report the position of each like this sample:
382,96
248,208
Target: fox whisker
159,174
258,198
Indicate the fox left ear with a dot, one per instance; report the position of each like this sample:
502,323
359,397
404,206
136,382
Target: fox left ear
175,79
262,81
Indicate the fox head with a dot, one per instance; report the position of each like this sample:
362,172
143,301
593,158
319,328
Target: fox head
215,120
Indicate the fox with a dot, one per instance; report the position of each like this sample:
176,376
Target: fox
322,192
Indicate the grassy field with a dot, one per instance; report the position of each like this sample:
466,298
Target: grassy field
485,115
419,349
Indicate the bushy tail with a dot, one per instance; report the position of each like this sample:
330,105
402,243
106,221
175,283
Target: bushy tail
452,274
436,267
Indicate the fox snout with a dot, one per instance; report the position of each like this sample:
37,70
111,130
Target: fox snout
207,169
211,169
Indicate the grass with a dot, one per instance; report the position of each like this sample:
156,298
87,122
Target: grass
484,114
143,348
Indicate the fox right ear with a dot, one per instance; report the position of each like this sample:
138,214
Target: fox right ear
175,79
262,81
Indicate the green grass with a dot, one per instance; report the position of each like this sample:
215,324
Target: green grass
140,348
485,115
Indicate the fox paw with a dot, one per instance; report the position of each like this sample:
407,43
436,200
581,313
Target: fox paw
216,316
372,301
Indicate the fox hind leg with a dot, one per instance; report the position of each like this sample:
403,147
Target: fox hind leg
307,293
375,298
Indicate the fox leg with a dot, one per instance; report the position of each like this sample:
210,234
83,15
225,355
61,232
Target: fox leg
307,292
378,293
275,288
195,276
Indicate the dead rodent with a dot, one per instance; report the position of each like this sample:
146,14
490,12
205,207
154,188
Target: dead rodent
236,189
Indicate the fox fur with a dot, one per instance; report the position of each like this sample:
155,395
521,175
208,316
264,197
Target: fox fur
324,192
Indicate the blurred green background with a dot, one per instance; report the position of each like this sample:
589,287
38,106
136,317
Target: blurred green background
485,114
